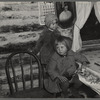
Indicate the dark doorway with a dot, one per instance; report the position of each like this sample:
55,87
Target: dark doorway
91,29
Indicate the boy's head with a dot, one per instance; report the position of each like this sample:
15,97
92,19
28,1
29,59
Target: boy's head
51,21
63,45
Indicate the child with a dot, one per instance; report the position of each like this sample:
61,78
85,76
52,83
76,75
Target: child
66,32
62,67
45,43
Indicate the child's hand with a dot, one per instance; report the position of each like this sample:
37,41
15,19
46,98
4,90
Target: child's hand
62,79
81,69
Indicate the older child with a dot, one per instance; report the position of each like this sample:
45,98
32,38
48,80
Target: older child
45,43
62,67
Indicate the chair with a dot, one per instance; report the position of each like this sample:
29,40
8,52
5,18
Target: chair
25,76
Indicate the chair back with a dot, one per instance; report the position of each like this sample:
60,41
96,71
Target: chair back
24,71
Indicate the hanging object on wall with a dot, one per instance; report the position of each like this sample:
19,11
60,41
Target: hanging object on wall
65,15
44,9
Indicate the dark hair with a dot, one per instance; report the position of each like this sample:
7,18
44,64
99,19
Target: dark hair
66,40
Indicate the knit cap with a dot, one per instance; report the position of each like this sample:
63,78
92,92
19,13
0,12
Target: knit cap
50,18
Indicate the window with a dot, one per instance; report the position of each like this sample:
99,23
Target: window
91,29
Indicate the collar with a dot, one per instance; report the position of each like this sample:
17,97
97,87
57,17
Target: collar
64,55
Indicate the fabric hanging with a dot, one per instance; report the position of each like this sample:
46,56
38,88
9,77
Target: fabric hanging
83,10
97,10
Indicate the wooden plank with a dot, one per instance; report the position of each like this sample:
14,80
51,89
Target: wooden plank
31,73
14,75
23,79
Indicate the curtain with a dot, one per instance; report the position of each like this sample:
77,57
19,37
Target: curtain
83,10
97,10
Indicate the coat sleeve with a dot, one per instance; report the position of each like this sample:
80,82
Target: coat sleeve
80,58
51,69
39,44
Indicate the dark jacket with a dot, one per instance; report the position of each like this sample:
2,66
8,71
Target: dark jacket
45,45
59,65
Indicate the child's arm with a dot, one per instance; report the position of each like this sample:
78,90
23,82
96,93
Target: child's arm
39,44
81,58
52,71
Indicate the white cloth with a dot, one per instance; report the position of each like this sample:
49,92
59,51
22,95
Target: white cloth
94,86
83,10
97,10
90,79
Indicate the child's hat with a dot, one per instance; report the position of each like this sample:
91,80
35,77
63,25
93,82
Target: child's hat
49,19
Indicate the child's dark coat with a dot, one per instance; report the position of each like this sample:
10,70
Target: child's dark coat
45,45
58,66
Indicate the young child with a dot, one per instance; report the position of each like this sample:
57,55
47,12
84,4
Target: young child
45,43
62,67
68,32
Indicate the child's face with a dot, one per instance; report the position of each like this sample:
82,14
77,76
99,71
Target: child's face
61,49
53,25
